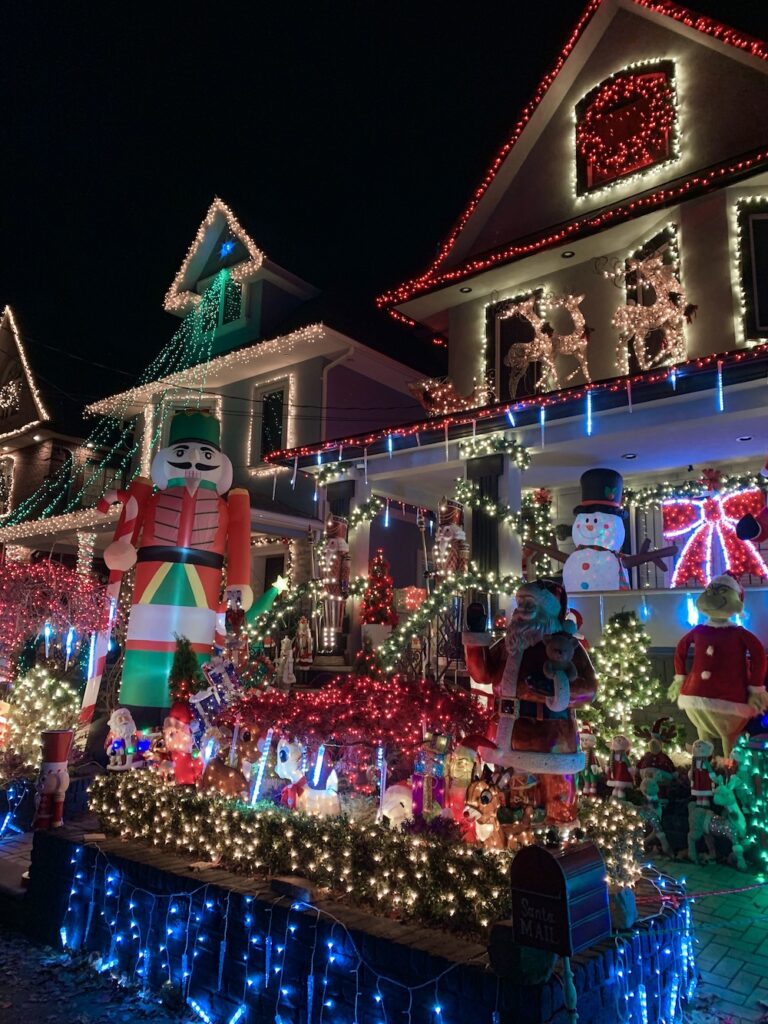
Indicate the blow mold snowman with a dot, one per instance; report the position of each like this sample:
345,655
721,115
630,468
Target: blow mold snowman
598,533
598,562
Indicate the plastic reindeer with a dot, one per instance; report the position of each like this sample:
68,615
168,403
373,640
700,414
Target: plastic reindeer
484,798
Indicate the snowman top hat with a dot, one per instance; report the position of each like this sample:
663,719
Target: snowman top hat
601,491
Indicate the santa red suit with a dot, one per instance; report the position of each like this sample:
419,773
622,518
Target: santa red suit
728,661
530,736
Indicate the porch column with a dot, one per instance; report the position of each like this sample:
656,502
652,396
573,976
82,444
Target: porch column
510,493
359,556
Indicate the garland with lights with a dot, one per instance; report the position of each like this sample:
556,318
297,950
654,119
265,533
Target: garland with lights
647,499
492,444
38,701
418,877
331,471
364,512
623,672
437,603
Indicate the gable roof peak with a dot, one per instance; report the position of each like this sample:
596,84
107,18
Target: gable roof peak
238,252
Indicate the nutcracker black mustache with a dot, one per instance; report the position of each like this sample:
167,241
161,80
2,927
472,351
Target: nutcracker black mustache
204,467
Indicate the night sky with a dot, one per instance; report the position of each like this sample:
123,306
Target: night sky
346,135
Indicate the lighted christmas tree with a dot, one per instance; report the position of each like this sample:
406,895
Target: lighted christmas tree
37,701
624,678
186,677
378,599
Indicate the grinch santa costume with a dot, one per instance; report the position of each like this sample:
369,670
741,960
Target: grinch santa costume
533,731
725,686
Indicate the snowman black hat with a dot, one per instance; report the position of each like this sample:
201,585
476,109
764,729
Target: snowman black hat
601,491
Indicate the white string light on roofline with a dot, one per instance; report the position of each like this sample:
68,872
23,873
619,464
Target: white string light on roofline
285,345
8,323
177,299
74,521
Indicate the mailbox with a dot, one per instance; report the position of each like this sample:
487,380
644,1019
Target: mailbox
559,898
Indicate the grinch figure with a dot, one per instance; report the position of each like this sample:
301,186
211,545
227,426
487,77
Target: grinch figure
535,729
182,531
725,686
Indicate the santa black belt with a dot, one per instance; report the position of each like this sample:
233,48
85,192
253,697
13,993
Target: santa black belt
185,556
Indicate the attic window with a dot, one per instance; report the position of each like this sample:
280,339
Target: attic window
626,125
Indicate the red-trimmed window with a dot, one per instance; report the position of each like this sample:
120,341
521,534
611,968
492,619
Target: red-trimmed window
626,124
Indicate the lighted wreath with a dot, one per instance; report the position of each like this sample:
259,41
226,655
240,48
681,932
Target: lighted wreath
653,119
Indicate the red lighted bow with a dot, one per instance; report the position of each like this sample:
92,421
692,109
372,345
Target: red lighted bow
706,519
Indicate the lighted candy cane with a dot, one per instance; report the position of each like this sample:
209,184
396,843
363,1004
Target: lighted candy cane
126,530
262,765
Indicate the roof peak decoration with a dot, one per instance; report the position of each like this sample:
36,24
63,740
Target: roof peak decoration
221,238
436,273
12,391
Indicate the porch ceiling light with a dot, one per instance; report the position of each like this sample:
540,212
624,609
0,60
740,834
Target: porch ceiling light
629,455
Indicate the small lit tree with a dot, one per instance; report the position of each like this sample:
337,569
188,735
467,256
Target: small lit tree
378,599
186,677
37,701
624,680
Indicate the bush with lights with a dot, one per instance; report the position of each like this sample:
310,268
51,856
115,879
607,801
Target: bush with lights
415,876
37,701
379,597
624,678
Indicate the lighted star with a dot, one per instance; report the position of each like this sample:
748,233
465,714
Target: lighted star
281,584
226,248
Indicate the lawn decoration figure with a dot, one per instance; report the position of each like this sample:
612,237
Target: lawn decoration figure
182,533
701,776
180,745
312,792
120,744
532,733
53,780
725,687
484,799
619,768
598,562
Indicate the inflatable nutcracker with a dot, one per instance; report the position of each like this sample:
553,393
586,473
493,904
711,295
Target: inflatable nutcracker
535,727
726,684
179,537
451,547
53,781
336,579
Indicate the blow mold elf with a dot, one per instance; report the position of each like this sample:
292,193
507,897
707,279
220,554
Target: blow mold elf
178,536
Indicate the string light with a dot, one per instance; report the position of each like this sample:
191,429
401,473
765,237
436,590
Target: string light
439,396
8,323
178,298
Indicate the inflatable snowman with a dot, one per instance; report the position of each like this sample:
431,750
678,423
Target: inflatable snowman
598,533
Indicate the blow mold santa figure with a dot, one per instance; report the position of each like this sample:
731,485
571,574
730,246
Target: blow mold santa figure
179,536
726,684
535,730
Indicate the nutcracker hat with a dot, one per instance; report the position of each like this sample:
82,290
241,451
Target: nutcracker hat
601,491
55,745
194,425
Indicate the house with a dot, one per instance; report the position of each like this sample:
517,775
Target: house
41,434
253,346
603,300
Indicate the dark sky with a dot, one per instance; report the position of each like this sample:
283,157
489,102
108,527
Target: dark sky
346,134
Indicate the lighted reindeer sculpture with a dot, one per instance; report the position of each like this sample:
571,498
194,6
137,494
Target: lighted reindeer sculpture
668,312
547,344
575,343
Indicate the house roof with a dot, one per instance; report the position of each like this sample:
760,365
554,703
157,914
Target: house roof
445,268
